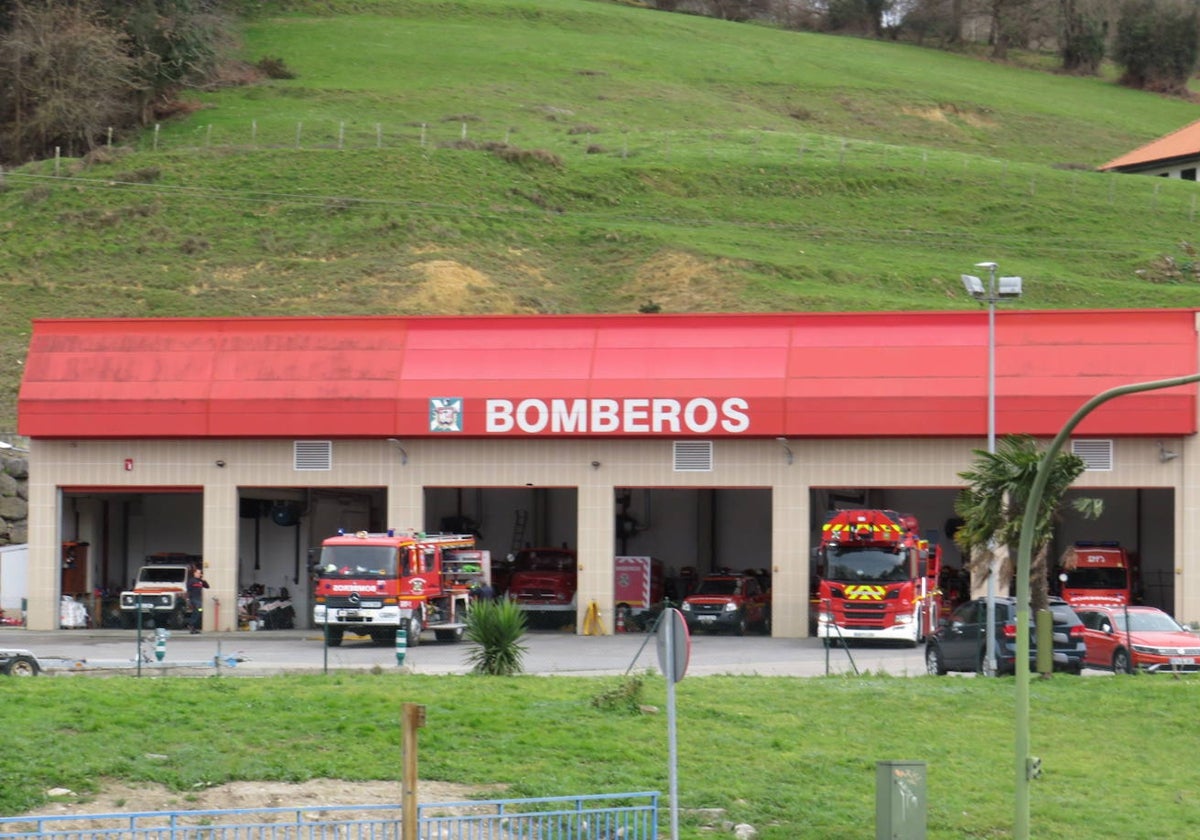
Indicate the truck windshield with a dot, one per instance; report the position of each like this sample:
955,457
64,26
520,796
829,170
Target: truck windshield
717,586
163,574
851,564
545,561
1096,578
343,561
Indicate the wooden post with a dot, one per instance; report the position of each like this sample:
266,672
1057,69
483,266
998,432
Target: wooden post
413,719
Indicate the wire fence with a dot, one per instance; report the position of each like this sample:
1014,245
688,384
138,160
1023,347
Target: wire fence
561,145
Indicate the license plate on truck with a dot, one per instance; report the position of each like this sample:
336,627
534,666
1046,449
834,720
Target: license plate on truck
707,618
1183,660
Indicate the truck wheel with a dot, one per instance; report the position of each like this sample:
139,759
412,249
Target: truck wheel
333,636
414,631
739,629
22,666
766,622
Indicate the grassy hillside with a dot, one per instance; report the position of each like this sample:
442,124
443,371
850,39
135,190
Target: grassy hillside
581,156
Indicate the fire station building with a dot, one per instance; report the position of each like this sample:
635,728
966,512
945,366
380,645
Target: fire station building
707,441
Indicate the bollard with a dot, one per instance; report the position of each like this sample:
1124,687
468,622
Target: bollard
401,642
1043,623
160,643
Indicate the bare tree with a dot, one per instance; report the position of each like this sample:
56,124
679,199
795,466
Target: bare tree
64,79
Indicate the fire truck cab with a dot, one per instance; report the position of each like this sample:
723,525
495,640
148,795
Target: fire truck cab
1097,574
877,578
373,584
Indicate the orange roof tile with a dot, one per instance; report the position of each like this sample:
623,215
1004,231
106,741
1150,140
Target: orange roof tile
1184,142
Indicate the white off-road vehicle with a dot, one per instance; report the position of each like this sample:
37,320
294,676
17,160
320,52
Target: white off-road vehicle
160,593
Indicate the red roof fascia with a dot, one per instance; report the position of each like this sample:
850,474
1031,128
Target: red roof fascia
802,375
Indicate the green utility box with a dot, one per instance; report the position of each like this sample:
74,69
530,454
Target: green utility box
900,800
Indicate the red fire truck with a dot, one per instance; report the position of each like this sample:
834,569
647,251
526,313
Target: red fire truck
367,584
1097,574
877,578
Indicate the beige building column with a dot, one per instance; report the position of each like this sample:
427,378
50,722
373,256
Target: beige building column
45,502
597,547
220,540
789,558
1187,525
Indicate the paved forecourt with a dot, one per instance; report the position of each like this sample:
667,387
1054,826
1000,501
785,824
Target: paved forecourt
298,651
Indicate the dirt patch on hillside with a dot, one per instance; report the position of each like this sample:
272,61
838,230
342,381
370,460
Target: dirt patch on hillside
451,288
117,797
679,282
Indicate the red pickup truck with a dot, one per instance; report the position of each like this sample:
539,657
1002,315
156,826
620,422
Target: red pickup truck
728,602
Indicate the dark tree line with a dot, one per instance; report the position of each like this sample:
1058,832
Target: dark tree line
72,70
1154,42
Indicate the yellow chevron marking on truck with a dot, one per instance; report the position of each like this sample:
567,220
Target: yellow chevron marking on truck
862,526
865,593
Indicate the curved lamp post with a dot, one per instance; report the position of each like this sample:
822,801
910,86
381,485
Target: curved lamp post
1028,767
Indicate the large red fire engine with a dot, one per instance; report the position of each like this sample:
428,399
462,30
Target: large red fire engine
367,584
1097,575
878,578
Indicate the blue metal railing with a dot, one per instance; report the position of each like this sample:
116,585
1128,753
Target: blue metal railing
628,816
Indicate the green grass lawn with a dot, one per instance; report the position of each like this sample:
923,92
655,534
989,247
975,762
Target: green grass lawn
794,757
579,156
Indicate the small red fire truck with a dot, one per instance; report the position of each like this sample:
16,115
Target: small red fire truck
367,584
1096,574
877,578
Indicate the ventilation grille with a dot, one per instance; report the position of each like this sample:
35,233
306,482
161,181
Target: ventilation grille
693,456
312,455
1097,455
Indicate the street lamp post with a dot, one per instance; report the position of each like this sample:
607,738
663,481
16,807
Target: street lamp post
998,289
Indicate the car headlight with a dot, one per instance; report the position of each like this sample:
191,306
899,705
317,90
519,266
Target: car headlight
904,618
1155,651
686,607
731,607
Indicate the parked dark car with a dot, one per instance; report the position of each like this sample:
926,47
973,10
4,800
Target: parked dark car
960,640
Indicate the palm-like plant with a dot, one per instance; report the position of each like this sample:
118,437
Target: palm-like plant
495,628
993,505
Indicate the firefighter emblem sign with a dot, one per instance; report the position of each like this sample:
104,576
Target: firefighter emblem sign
445,414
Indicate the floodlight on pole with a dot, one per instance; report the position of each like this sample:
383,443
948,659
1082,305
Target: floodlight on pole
997,289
